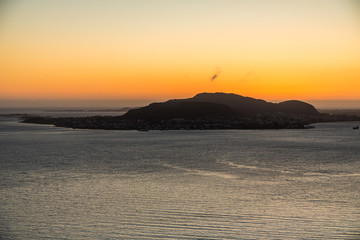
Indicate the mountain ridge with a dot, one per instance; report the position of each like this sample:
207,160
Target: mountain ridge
219,105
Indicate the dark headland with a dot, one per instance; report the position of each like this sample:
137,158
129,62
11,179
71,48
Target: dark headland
204,111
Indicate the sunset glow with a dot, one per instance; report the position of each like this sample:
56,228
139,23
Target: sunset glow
171,49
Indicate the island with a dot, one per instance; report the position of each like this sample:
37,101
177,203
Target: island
204,111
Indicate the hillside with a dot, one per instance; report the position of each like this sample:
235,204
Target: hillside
180,109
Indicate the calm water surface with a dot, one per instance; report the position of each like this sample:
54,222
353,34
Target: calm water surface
58,183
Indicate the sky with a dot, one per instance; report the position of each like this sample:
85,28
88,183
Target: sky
143,50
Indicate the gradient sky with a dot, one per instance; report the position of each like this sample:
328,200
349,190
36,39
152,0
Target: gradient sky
160,49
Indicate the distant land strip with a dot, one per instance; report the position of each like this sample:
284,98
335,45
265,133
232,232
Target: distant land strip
202,112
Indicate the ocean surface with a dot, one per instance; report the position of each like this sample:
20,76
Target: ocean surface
58,183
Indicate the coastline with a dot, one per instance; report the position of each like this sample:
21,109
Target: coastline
260,121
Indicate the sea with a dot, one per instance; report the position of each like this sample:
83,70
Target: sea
61,183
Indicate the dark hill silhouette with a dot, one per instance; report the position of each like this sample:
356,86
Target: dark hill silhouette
297,107
218,105
243,105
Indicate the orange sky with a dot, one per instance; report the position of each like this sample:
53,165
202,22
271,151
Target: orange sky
163,49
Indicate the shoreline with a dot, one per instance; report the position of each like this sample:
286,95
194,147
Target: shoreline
264,121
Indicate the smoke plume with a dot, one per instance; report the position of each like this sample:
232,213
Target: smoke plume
216,75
